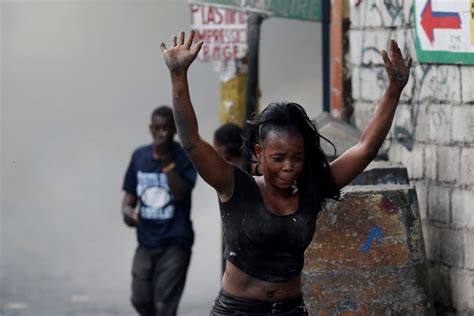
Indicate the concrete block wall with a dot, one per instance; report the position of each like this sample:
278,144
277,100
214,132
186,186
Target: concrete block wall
367,256
432,135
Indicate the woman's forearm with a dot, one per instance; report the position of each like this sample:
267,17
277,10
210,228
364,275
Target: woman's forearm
184,116
379,125
398,72
352,162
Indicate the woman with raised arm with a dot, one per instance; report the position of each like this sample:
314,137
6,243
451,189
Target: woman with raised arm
269,220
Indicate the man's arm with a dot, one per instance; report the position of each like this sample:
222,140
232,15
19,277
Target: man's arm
178,186
129,213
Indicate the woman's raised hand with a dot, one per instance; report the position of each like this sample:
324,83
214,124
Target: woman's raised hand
180,55
398,70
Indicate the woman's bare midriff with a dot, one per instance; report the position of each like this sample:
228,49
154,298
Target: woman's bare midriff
241,285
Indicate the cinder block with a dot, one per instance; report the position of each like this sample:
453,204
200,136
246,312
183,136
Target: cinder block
431,241
463,123
422,194
412,159
403,124
355,79
373,41
467,82
438,83
408,10
375,13
467,166
462,208
440,123
452,247
448,158
462,288
367,45
410,44
431,166
421,121
373,83
440,281
382,172
367,256
355,15
439,203
415,160
355,40
395,153
363,111
469,249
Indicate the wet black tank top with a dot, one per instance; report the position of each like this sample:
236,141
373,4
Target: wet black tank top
262,244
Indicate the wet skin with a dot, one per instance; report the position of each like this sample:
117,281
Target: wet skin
281,159
221,150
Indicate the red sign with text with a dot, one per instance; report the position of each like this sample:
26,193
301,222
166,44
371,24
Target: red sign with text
224,32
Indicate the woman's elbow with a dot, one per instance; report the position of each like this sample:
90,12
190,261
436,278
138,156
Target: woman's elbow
188,146
188,143
369,152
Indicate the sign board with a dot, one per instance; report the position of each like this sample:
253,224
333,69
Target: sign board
309,10
224,32
444,31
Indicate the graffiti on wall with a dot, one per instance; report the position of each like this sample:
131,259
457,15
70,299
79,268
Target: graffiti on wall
428,83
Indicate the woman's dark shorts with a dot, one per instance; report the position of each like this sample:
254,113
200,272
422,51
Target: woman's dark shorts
225,304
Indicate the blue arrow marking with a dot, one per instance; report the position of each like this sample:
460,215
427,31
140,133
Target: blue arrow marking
375,233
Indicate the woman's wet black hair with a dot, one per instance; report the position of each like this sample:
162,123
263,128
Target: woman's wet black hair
315,179
230,135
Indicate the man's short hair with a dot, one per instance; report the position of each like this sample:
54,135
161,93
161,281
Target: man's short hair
164,111
230,135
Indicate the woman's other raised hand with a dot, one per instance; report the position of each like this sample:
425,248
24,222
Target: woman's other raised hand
398,70
180,55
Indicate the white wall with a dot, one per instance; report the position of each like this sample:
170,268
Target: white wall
80,79
291,63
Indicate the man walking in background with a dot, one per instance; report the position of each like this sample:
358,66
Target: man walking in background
157,202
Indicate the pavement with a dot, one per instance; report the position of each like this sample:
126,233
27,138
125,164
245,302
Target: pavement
67,265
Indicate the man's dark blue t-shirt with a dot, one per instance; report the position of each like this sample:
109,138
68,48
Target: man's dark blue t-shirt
162,220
